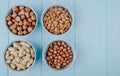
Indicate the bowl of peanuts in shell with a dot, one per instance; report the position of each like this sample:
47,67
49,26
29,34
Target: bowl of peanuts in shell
20,56
21,20
57,19
58,55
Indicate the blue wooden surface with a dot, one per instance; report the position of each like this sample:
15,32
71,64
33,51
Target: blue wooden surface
94,35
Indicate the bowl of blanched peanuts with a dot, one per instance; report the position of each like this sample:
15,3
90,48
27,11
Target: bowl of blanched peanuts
20,55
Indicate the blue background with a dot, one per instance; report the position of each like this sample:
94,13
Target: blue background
95,35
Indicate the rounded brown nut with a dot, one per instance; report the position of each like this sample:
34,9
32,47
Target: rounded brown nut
27,9
19,28
13,26
14,31
20,33
10,23
21,7
20,23
22,17
30,29
15,9
14,15
24,27
33,17
17,19
27,15
33,23
8,18
32,13
25,32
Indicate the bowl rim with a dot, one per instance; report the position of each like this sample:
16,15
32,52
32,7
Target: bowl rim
9,11
8,66
57,5
62,69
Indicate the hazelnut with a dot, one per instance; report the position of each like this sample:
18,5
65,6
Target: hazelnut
58,58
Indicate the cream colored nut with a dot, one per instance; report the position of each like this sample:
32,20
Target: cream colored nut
32,53
18,69
21,52
16,44
15,53
11,57
27,55
25,44
29,63
14,62
26,49
17,59
20,66
12,66
26,59
11,49
8,61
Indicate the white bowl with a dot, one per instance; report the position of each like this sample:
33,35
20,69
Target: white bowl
11,45
45,61
34,13
56,5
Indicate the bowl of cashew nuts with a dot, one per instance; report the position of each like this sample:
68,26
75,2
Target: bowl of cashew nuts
20,55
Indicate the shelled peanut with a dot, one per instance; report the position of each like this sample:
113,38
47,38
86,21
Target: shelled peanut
21,20
20,55
57,20
59,54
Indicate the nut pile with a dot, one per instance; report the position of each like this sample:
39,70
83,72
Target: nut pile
59,55
21,20
57,20
20,55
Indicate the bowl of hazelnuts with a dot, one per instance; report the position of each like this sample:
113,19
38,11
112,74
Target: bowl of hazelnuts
57,19
58,55
21,20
